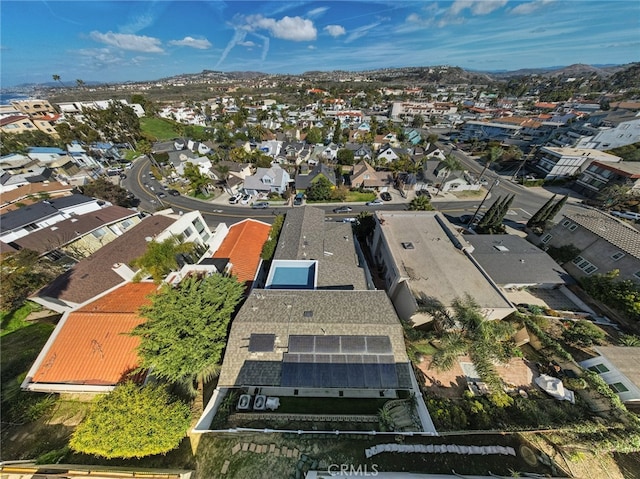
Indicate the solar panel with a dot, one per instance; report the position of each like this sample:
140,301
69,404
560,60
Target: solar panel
388,376
378,345
339,377
353,344
323,375
301,344
386,359
306,375
355,373
261,343
354,358
327,344
290,358
289,375
371,375
338,358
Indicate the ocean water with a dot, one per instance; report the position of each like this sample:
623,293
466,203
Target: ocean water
7,97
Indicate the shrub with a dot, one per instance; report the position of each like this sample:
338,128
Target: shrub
583,333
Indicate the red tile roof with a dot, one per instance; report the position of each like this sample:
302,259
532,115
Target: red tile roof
12,119
243,245
92,346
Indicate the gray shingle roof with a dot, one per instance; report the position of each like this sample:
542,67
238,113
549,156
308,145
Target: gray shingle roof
309,312
509,259
610,229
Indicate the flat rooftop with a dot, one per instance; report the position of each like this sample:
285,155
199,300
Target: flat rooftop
429,252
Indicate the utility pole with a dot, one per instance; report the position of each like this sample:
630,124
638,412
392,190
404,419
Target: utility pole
524,161
495,182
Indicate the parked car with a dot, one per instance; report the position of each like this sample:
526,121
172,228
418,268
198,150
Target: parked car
423,193
160,194
297,201
173,192
245,199
376,202
260,205
628,215
342,209
465,219
235,198
386,196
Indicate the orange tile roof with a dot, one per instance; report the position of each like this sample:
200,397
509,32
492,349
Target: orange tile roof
243,245
92,346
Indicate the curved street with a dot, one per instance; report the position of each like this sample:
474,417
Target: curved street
527,201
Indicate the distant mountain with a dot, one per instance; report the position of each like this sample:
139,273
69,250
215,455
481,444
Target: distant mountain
576,70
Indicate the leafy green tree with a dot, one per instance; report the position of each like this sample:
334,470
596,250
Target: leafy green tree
314,136
161,257
21,274
622,295
337,132
365,225
420,203
57,78
319,189
495,153
345,157
186,328
269,247
583,333
563,254
554,210
132,422
418,121
103,189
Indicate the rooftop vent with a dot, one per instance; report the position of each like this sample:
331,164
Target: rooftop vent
407,245
308,314
501,248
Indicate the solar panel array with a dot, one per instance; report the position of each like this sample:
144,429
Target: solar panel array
339,362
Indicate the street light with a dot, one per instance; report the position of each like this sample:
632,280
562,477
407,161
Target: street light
495,182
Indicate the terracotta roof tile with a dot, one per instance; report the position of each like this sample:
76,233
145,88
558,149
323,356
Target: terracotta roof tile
243,245
92,346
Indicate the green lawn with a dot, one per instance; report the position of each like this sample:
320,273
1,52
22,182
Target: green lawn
14,320
353,196
159,128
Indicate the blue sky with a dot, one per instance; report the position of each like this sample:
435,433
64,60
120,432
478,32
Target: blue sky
113,41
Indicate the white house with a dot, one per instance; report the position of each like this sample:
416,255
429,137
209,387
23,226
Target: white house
267,180
619,367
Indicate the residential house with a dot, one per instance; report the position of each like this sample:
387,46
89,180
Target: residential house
619,367
15,162
32,193
363,175
81,235
435,173
387,154
267,180
553,162
614,133
47,124
9,182
605,243
360,151
237,172
202,163
421,257
34,107
90,350
425,109
305,178
600,175
330,152
18,223
514,263
108,266
16,124
240,250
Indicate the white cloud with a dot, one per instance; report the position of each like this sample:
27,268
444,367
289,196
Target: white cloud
477,7
311,47
126,41
335,30
296,29
360,32
527,8
202,44
247,44
316,12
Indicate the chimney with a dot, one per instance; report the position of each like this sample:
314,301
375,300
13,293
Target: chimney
124,271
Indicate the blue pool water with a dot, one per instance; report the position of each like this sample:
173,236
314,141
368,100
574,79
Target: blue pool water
293,277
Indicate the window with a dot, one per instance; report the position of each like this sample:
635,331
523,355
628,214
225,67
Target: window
198,225
590,269
573,227
31,227
99,233
619,388
566,223
637,274
617,256
186,233
599,368
546,238
127,224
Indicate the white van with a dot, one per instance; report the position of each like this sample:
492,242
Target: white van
629,215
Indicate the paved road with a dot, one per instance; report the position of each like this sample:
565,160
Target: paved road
527,200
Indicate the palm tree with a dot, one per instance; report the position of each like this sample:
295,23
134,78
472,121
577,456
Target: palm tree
449,164
57,78
420,203
80,83
495,153
161,258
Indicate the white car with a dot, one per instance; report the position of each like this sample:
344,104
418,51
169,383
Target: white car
376,202
246,199
235,198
